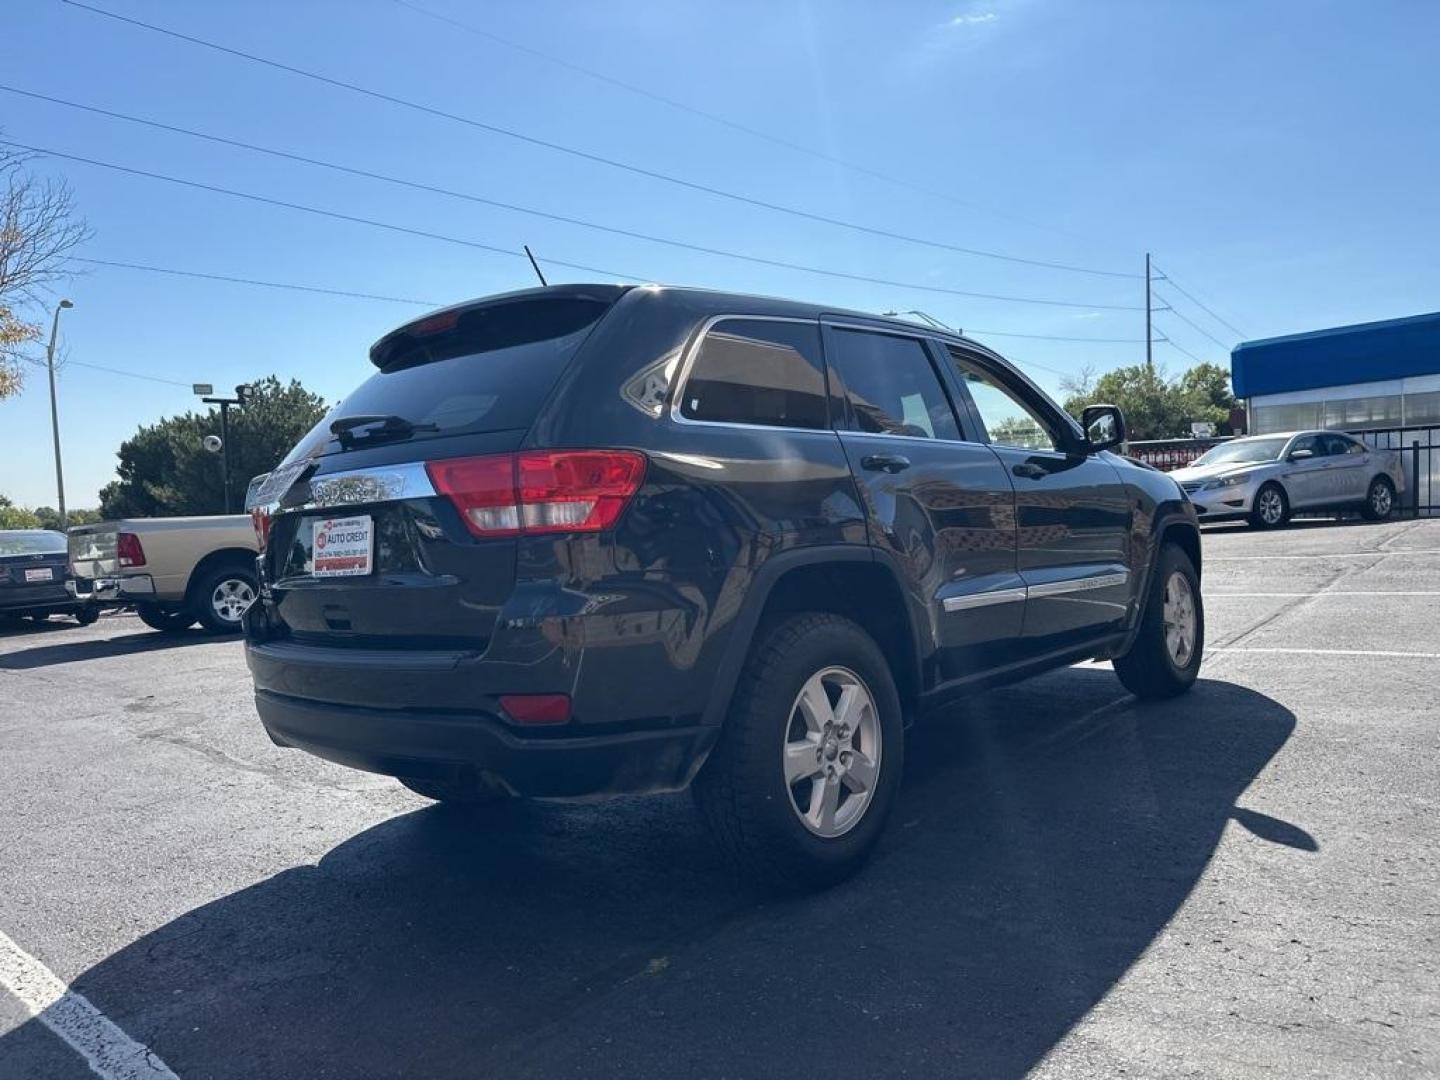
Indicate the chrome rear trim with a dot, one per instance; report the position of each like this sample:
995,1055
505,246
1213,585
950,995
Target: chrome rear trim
384,483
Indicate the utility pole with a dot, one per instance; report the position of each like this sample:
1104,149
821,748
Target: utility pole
242,394
54,412
1149,357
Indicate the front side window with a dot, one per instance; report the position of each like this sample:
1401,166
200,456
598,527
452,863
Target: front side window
1339,445
1008,420
891,386
757,371
1307,442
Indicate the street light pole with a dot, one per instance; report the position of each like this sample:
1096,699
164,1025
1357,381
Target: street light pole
54,411
1149,357
242,395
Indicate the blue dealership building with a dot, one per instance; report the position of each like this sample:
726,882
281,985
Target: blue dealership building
1356,378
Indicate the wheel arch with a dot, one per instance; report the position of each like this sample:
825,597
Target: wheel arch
856,582
230,557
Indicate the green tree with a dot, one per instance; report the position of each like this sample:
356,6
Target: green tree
165,471
16,517
1156,406
50,517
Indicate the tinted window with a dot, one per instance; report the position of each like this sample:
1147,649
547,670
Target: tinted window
1336,445
891,386
757,371
1008,420
487,369
1307,442
32,542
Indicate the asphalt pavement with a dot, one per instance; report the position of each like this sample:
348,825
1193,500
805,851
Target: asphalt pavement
1242,882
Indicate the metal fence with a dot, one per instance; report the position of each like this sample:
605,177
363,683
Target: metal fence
1419,449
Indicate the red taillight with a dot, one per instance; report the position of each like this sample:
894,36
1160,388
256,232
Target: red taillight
128,549
537,708
540,491
260,522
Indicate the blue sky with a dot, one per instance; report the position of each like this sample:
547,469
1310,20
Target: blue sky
1279,159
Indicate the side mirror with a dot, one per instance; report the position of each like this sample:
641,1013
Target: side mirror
1104,427
1301,455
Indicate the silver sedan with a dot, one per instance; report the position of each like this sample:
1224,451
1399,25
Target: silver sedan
1265,478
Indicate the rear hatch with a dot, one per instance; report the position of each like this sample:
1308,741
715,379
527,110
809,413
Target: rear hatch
363,551
33,565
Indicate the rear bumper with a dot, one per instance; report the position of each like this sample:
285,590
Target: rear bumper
419,743
115,590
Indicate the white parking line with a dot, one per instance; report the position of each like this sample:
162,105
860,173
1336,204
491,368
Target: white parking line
1333,555
110,1053
1383,592
1326,652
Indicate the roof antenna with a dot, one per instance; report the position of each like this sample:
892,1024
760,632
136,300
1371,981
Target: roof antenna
536,265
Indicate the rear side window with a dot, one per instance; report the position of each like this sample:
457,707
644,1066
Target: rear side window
891,386
757,371
483,369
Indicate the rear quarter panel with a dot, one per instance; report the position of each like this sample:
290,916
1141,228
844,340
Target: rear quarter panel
174,546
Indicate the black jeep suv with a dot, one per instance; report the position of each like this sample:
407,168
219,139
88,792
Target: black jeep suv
588,540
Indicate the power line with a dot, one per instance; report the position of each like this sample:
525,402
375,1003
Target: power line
1192,324
112,371
438,303
1176,345
415,185
734,125
336,215
586,155
1059,337
1196,301
263,284
355,219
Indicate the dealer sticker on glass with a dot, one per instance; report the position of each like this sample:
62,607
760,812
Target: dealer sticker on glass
343,547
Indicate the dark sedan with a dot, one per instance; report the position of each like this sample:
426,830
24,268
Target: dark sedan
34,570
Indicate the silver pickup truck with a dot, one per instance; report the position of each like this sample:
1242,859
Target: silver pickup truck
175,571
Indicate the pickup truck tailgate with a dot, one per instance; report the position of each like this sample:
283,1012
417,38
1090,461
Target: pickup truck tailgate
92,550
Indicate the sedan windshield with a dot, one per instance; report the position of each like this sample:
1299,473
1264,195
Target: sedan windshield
1243,452
31,542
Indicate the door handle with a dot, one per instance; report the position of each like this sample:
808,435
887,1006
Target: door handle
1030,470
891,463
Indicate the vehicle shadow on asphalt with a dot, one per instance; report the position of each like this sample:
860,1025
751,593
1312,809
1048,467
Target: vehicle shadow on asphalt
125,644
1045,836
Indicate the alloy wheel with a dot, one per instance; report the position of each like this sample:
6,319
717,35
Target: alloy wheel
1179,619
1381,499
232,598
831,752
1272,507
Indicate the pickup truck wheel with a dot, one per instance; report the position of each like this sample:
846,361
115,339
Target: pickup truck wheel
221,597
1164,660
87,615
167,622
799,785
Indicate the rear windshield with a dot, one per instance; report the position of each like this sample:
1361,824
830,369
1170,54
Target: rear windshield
489,371
36,542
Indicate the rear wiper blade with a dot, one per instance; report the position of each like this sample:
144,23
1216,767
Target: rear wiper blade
376,426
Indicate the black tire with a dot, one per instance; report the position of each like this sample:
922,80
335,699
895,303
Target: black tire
87,615
214,613
1150,670
1258,517
1379,500
741,791
453,792
167,622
